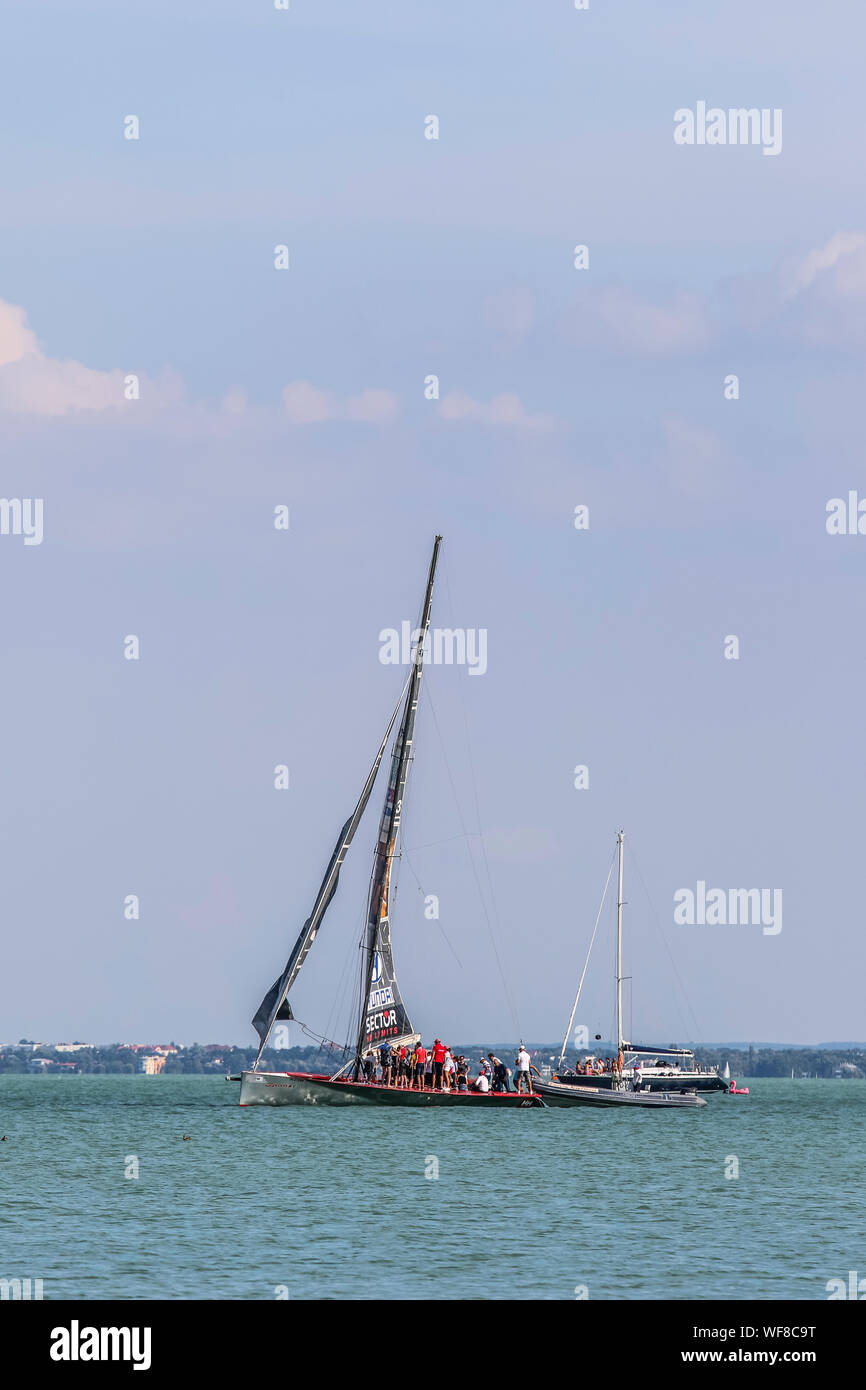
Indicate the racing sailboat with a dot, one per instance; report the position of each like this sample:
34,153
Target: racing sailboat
382,1013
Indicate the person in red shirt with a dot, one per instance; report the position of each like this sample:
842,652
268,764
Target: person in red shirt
420,1059
438,1063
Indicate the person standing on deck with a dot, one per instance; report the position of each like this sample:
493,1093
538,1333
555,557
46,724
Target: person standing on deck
449,1068
386,1058
498,1078
438,1063
420,1063
523,1072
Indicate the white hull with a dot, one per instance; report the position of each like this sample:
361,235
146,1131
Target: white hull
277,1088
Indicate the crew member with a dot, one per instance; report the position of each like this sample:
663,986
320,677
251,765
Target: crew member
523,1073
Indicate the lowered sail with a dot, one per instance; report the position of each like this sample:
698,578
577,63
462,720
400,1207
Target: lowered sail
383,1013
275,1004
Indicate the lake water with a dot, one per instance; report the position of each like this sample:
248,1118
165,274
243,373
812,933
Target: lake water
334,1203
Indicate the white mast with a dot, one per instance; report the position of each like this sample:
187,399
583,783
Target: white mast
619,839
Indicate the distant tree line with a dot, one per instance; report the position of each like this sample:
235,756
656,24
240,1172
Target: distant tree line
116,1060
765,1061
212,1059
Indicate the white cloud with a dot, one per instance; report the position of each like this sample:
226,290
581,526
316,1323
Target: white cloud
235,401
16,339
32,383
844,255
372,407
620,320
506,409
820,296
37,385
305,404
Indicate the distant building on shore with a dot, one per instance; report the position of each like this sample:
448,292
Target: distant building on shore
151,1065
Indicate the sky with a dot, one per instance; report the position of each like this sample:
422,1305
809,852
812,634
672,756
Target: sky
164,387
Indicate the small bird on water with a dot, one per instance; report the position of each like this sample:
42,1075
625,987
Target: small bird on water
186,1136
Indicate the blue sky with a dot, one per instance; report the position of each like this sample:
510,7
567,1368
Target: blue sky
305,387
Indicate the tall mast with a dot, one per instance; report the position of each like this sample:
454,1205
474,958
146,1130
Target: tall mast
377,1022
619,839
275,1003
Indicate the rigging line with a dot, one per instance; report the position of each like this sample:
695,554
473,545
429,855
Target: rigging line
322,1040
406,819
508,998
474,781
405,853
344,984
586,962
447,841
686,999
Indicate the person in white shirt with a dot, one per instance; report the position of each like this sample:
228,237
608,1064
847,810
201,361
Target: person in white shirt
481,1082
523,1072
449,1069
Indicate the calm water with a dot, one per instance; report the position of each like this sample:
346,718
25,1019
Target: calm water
335,1204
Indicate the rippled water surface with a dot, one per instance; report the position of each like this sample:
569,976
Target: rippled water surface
334,1203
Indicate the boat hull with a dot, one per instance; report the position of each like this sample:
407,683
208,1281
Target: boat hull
668,1082
296,1088
557,1095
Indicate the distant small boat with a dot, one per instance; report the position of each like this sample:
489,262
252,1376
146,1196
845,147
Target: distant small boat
726,1072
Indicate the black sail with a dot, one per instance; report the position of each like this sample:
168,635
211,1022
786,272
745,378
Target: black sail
383,1013
275,1005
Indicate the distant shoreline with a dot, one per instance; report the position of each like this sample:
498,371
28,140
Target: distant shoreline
824,1060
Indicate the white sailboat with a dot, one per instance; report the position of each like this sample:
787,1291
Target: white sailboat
618,1088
